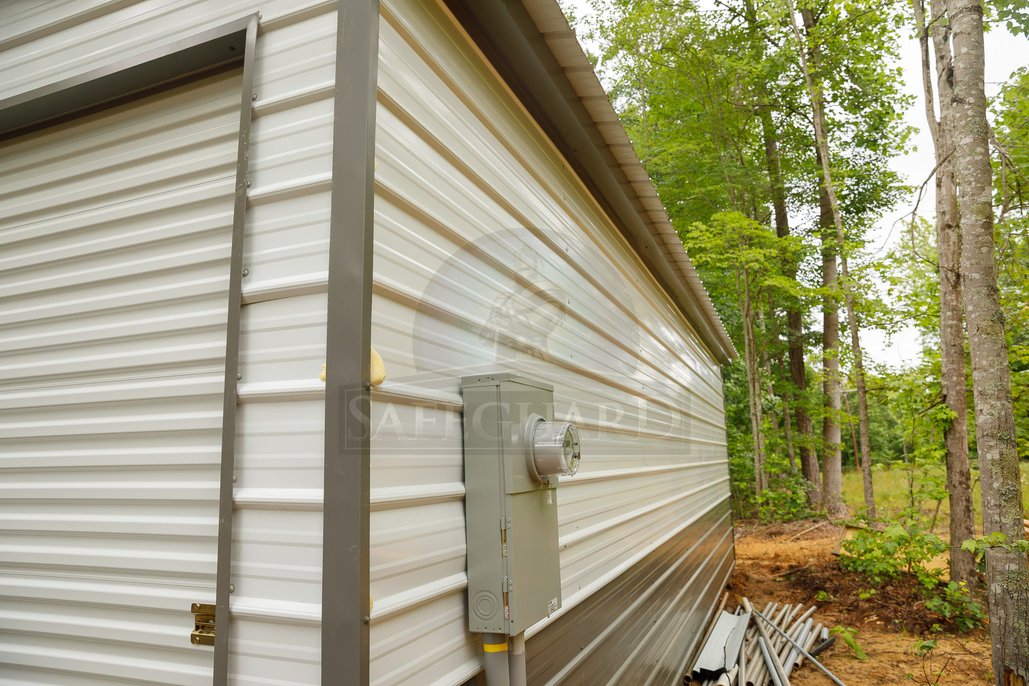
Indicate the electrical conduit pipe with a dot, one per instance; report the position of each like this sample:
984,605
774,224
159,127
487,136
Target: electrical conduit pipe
505,664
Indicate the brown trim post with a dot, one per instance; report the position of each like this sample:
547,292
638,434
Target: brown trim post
223,587
345,575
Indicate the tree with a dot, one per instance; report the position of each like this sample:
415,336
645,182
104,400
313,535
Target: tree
749,256
1011,182
948,248
852,47
1007,569
827,196
794,316
687,103
715,105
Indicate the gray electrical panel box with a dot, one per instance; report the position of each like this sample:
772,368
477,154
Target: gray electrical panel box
514,574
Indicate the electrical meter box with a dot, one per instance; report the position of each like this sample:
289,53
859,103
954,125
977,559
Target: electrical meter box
513,454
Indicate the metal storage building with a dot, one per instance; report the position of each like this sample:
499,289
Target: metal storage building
201,204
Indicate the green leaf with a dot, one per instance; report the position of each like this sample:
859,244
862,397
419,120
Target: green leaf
848,636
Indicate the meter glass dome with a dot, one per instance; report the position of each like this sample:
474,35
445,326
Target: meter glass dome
553,447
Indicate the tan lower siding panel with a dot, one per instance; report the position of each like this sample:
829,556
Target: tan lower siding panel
706,545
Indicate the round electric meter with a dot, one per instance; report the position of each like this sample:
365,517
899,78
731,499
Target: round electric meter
553,448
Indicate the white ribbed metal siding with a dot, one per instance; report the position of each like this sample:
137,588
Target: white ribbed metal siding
277,523
458,160
116,230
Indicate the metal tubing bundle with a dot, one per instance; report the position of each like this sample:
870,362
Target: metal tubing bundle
776,641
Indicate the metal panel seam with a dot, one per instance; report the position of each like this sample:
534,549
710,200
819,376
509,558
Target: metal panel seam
345,519
229,406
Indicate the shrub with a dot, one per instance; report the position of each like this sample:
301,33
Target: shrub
882,555
907,548
954,603
785,500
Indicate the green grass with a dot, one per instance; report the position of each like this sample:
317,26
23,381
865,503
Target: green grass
891,493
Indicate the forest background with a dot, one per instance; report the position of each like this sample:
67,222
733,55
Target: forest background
775,132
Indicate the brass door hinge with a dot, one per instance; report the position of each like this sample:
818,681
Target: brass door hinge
203,616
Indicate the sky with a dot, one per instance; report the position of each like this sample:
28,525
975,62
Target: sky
1004,54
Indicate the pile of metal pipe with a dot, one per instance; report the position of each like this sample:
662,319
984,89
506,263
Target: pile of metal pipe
778,639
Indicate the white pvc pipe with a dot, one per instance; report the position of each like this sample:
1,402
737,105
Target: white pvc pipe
516,660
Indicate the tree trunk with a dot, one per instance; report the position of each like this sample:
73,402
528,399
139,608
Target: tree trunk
753,383
798,375
853,431
1007,570
769,375
827,197
862,395
787,425
948,248
832,471
794,318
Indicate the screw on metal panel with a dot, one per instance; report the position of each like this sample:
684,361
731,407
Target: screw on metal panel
239,377
232,587
233,478
246,272
253,97
366,619
248,183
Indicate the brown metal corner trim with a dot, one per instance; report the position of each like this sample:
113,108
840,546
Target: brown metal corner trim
223,616
345,513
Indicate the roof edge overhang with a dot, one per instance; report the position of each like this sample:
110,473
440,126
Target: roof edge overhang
522,40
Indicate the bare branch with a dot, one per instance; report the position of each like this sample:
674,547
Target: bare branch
914,211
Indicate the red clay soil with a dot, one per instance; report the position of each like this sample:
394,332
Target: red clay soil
795,562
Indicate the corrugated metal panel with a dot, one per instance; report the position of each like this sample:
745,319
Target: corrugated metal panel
116,230
277,527
491,255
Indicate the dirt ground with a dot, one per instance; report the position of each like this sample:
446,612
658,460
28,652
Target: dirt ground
793,562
